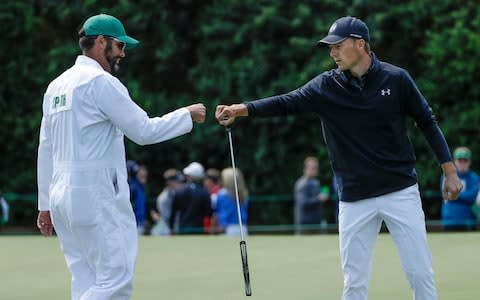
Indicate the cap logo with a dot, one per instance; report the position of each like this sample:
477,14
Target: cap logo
333,27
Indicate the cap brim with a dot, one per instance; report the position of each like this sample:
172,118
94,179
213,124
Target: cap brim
463,156
129,41
330,40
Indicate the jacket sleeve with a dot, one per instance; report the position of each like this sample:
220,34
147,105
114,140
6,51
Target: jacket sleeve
44,166
418,108
114,101
298,101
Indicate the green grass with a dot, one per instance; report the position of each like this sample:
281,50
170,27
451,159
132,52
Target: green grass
209,267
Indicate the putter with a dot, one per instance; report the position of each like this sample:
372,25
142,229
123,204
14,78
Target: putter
243,244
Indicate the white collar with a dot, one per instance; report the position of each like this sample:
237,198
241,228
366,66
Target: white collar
85,60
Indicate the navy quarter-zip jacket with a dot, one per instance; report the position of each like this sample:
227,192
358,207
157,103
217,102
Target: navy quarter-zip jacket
364,125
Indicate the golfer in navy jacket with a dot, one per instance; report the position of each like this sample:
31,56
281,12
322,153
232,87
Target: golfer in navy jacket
364,105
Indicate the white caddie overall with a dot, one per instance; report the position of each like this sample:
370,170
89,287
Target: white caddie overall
82,176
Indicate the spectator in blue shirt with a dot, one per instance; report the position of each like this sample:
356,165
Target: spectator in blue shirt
137,195
458,214
226,214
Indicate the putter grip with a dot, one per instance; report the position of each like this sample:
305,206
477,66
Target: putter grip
246,273
227,128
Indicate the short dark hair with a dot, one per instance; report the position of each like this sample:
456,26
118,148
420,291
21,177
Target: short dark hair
367,47
86,42
213,174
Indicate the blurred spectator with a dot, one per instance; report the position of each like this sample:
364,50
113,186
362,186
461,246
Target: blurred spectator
142,175
173,181
4,209
212,184
309,199
191,202
137,195
458,214
225,212
476,206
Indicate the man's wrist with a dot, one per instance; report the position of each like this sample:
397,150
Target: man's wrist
448,168
240,110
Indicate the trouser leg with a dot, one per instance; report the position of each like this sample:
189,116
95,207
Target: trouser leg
83,276
112,251
359,226
405,220
100,257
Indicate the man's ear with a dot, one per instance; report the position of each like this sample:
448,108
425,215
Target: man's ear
101,41
360,43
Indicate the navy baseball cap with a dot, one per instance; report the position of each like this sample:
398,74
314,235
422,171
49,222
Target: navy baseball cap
344,28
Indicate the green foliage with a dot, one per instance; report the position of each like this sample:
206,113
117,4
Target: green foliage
230,51
452,48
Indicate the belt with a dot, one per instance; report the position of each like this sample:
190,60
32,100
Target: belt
83,165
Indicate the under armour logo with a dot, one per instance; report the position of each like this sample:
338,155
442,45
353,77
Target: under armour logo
386,92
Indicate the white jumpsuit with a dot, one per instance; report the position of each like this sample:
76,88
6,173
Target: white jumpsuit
82,176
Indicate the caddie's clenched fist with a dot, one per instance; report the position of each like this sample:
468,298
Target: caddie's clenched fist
198,112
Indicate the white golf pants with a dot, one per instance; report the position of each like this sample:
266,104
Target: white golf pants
98,236
359,225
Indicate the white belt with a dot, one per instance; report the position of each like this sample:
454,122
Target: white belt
83,165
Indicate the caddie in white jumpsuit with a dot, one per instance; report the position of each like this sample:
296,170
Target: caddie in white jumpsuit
82,178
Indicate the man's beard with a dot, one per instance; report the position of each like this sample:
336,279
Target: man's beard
114,67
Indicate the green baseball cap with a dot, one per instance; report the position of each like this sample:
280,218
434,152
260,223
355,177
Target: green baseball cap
462,153
107,25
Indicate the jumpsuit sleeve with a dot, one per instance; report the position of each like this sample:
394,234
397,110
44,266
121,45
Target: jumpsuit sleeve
44,166
114,101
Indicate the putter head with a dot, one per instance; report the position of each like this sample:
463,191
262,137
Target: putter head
246,272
